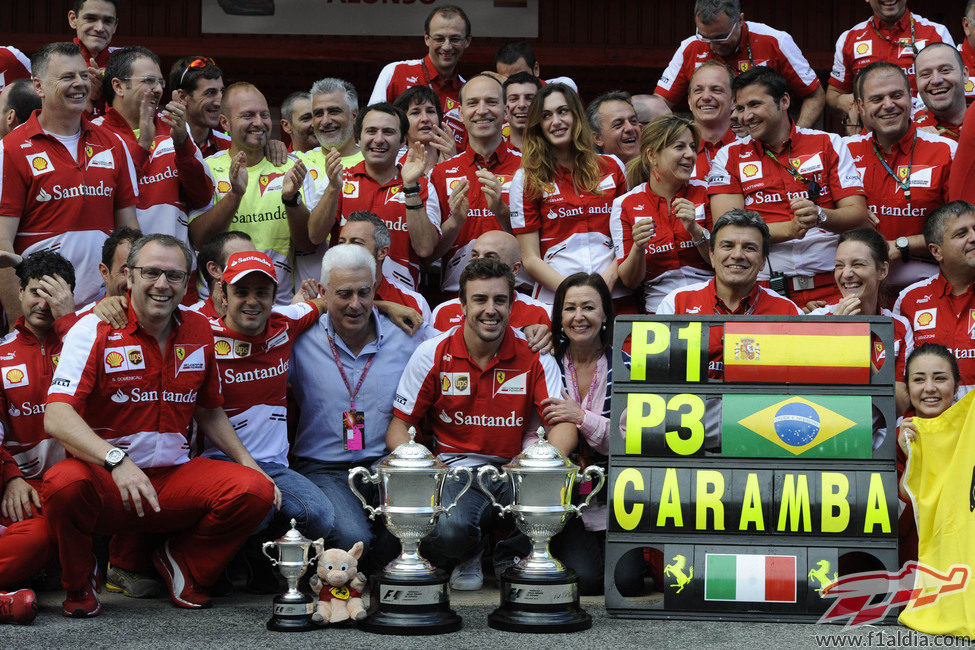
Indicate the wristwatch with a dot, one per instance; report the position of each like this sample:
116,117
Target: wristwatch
293,202
902,245
114,458
705,236
822,216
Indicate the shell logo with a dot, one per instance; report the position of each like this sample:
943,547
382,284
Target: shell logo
348,188
862,48
445,384
314,174
506,131
15,376
39,163
969,85
750,170
223,187
548,187
114,360
222,348
454,183
924,319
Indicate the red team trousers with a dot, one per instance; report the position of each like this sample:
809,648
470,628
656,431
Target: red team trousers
211,505
25,547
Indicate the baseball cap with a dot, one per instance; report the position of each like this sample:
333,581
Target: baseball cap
240,264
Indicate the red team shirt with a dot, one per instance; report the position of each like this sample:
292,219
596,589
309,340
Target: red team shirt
873,40
14,65
927,120
392,293
475,411
26,368
672,260
64,205
925,156
968,58
525,310
936,316
387,201
399,76
137,398
706,153
744,167
759,45
254,375
573,228
503,163
171,181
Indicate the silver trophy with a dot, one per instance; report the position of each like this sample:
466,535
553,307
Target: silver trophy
292,609
411,596
539,594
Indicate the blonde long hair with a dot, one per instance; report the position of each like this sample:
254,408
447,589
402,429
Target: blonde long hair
538,154
655,137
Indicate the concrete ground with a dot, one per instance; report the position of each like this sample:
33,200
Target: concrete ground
238,622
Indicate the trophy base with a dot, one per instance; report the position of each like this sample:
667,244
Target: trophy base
292,615
539,604
410,606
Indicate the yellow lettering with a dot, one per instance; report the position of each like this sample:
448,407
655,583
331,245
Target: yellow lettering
692,420
692,334
751,505
795,503
709,499
876,506
836,507
670,500
639,416
647,339
627,519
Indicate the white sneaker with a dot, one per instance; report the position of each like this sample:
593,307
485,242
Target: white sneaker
468,576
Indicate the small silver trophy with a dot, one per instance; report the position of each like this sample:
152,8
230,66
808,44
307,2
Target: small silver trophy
539,594
292,609
411,596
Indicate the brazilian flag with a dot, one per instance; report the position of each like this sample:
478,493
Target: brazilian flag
807,426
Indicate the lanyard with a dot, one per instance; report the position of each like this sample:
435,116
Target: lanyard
748,312
362,377
944,129
903,42
748,48
905,184
571,367
789,168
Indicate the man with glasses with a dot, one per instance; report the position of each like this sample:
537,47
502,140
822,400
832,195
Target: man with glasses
169,167
65,183
891,34
724,35
447,33
121,400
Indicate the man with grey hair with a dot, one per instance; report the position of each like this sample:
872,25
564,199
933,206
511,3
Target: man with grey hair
121,400
722,33
360,354
940,308
297,122
334,106
615,127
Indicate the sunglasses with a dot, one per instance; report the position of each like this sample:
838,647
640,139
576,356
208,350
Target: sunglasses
196,64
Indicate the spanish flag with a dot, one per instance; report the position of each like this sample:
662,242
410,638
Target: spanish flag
940,480
797,352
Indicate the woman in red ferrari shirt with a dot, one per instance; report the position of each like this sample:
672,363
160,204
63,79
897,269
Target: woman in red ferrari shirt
562,196
661,227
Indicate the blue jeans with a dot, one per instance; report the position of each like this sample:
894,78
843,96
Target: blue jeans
348,521
459,535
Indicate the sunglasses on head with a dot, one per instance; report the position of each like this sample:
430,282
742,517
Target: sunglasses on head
196,64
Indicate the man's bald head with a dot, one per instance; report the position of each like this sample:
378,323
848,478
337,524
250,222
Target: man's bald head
649,107
500,245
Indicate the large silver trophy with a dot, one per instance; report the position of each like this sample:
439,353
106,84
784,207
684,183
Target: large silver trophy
411,596
292,609
539,594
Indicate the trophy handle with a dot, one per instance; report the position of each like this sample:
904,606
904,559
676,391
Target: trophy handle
495,477
319,546
455,474
264,548
367,478
587,476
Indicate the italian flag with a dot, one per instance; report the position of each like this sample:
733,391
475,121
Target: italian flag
750,578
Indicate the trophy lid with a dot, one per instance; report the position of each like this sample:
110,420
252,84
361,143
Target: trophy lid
293,536
411,455
540,455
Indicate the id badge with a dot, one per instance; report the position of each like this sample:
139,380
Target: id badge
354,430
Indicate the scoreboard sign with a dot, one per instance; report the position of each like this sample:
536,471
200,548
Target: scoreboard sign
754,455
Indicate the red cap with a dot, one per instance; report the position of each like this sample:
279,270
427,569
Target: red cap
240,264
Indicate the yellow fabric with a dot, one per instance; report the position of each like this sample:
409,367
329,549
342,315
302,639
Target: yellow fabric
939,480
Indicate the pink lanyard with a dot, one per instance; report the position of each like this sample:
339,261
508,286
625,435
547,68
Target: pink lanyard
362,377
571,367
